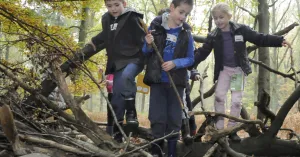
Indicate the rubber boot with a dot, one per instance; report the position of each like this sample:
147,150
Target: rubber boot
185,132
172,148
131,115
157,148
110,119
117,133
193,126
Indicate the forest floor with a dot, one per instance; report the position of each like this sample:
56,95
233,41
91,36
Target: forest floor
292,121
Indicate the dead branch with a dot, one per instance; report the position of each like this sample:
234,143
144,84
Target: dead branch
290,76
262,104
227,116
211,150
224,143
209,93
30,138
144,146
282,113
96,134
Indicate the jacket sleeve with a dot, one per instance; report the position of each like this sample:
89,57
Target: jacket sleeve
202,52
260,39
98,39
138,31
189,59
146,50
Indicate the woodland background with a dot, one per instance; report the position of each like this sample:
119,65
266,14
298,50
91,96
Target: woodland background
75,22
34,31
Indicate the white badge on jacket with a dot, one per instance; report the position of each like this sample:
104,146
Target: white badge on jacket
238,38
171,37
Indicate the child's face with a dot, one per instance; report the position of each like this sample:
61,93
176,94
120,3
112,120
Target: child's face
179,14
115,7
221,20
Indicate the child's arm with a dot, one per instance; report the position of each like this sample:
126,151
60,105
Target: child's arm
147,48
202,52
97,40
189,59
138,31
263,40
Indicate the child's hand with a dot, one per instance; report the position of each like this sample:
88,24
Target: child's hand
286,43
167,66
197,77
149,38
92,44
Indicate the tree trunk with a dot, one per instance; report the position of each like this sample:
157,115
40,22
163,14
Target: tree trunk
274,95
263,52
83,26
298,8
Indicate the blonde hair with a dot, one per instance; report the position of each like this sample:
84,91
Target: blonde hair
223,7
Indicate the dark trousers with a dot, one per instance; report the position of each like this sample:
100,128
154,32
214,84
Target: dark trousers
165,111
110,119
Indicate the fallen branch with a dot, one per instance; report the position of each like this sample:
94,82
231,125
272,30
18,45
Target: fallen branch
224,143
227,116
144,146
211,150
38,140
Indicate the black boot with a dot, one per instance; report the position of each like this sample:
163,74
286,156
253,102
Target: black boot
157,148
234,137
131,116
110,119
117,133
193,126
185,132
172,148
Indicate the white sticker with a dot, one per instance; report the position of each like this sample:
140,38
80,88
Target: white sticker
238,38
171,37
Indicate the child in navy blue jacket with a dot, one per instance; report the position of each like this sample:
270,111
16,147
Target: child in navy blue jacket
175,43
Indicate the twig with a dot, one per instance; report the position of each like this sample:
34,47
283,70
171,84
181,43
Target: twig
128,142
211,150
202,87
228,116
290,76
53,144
146,145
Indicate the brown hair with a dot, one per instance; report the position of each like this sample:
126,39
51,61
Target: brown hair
178,2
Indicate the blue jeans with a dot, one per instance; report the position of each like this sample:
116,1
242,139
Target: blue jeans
124,87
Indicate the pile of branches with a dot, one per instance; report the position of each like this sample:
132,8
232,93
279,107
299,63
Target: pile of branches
26,128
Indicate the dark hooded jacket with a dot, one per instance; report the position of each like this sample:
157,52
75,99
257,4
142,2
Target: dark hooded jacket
123,46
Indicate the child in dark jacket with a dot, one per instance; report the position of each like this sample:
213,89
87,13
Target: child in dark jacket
123,38
175,43
231,62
